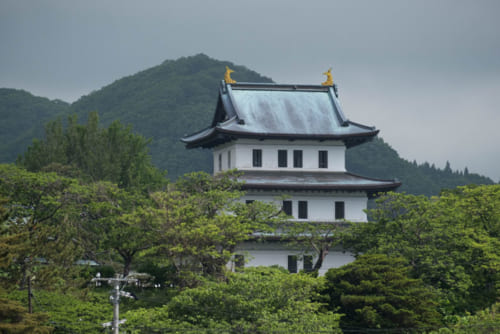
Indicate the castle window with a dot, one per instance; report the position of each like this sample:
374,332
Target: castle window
339,210
323,159
257,158
228,159
287,207
297,158
308,262
249,201
302,209
282,158
220,161
292,264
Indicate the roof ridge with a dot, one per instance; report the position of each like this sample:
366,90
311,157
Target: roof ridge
277,86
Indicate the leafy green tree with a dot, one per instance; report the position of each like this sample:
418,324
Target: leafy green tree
257,300
483,322
70,312
15,319
40,234
201,221
313,237
113,154
121,220
450,242
376,291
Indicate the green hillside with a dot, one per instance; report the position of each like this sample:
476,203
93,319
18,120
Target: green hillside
379,160
22,116
179,97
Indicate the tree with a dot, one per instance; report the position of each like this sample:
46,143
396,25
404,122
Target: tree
70,312
485,322
201,221
15,319
121,220
451,242
376,291
317,238
40,236
113,154
257,300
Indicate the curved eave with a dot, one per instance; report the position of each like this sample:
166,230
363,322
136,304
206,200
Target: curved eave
217,136
315,181
370,189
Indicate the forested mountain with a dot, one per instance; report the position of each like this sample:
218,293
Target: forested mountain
166,102
22,116
179,97
379,160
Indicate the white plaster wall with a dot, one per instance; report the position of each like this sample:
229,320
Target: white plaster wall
320,206
241,154
223,150
266,254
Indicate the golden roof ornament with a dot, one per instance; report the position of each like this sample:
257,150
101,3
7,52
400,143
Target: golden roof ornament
227,76
329,79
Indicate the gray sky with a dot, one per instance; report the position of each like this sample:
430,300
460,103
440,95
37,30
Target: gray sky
426,73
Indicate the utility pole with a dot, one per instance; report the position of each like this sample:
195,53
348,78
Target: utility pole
115,298
30,307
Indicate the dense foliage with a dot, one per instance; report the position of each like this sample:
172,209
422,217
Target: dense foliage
201,222
451,242
258,300
375,291
70,312
113,154
429,263
39,231
14,318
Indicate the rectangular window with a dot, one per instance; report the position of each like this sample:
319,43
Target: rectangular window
292,264
239,261
308,262
323,159
302,209
249,201
282,158
257,158
287,207
297,158
220,161
228,159
339,210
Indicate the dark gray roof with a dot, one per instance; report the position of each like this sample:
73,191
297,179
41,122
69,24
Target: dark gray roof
327,181
265,111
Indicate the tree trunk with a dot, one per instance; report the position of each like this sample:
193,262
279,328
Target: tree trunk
127,262
321,257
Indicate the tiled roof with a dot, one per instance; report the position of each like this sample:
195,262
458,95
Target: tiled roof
286,180
266,111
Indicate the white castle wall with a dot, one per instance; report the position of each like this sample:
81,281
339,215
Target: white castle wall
269,254
240,155
320,206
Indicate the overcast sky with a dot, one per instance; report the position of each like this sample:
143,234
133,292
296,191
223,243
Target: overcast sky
426,73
